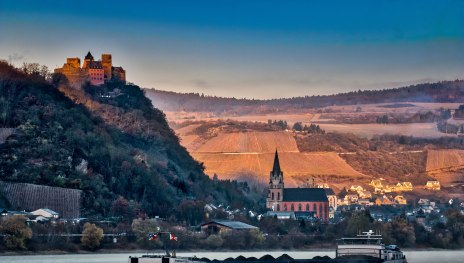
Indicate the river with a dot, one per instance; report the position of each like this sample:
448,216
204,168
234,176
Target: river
422,256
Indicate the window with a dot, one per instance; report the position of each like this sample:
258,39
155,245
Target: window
272,196
285,207
293,208
307,207
299,207
320,210
278,207
314,208
278,196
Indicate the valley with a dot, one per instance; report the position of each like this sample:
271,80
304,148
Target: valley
359,143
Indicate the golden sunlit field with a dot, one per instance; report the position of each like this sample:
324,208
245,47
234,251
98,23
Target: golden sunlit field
247,154
294,164
250,142
444,159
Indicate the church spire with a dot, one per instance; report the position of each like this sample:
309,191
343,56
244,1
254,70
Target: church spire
276,167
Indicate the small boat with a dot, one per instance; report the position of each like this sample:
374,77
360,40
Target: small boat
368,247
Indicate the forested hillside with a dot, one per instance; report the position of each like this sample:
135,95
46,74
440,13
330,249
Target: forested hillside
445,91
107,147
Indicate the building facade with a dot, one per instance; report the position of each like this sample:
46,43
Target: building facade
312,201
221,226
96,72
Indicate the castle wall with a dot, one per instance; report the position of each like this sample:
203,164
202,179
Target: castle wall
97,76
119,73
74,62
75,75
107,66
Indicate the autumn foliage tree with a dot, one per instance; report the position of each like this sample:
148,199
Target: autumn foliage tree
123,208
399,232
192,211
91,236
15,232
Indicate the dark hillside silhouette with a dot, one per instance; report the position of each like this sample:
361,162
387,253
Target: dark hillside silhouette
445,91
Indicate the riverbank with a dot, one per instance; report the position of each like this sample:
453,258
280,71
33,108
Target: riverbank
413,256
160,251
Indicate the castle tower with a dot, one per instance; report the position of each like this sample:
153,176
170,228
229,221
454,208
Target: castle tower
88,58
107,66
74,62
276,186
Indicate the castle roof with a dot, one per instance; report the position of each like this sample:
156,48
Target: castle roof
95,65
276,166
89,56
304,195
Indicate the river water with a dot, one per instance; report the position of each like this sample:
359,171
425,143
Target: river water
423,256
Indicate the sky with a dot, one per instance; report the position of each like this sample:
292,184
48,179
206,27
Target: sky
253,49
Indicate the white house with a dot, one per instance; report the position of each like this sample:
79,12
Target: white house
47,213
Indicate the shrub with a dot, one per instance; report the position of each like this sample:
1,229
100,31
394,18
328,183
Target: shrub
16,232
91,236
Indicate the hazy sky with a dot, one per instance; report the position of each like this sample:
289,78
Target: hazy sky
254,49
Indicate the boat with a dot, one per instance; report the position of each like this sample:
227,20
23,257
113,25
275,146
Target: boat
364,248
166,258
368,246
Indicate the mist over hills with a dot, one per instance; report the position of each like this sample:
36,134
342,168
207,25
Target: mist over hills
445,91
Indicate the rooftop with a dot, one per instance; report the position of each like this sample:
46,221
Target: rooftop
89,56
329,191
49,211
231,224
95,65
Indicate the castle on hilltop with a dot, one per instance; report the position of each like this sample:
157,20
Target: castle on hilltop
97,72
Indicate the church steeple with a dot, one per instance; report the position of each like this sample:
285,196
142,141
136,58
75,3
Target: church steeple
276,186
276,175
276,166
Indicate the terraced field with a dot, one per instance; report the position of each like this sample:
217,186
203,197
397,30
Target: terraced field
296,166
444,159
30,197
250,142
249,156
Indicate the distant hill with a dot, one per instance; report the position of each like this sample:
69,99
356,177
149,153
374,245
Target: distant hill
104,146
445,91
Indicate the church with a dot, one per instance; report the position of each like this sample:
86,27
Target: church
308,201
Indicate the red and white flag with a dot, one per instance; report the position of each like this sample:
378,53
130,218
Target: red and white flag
172,237
152,237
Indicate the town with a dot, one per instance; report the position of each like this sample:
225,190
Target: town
309,206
